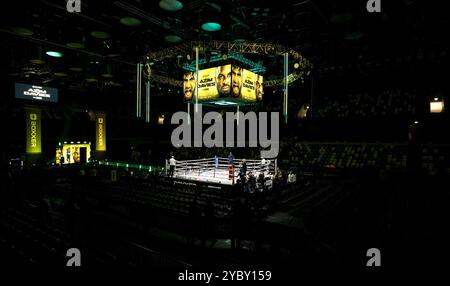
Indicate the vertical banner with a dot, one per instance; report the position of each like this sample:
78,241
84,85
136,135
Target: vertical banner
207,85
248,89
100,132
33,130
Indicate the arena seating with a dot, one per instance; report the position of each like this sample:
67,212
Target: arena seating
385,103
388,156
35,243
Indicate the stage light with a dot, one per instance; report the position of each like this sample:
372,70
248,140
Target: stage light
416,122
100,34
130,21
296,65
172,38
75,45
161,119
54,54
436,106
171,5
60,74
225,103
211,27
76,69
22,31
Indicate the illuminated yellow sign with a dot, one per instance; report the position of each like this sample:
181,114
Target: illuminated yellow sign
227,81
100,132
207,84
248,89
33,131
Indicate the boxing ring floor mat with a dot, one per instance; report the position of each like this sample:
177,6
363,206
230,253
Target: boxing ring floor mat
217,170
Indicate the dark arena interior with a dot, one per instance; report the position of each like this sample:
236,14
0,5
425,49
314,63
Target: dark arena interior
224,140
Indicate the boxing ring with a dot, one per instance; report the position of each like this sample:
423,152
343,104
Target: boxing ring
205,170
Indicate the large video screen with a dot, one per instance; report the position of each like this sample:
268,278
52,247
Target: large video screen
207,84
229,82
36,93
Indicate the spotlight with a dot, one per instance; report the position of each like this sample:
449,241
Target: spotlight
171,5
436,106
54,54
416,122
211,26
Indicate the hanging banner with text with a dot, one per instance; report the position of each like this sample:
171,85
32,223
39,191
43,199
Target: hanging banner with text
100,132
223,85
33,131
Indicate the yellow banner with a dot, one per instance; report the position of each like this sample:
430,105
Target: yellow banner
248,89
100,132
227,81
33,131
207,84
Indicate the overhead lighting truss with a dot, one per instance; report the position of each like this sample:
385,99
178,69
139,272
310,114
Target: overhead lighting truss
235,51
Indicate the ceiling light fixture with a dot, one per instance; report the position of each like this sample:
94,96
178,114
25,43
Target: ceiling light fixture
100,34
172,38
75,45
211,27
22,31
171,5
130,21
54,54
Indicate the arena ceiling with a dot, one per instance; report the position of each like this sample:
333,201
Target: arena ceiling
102,44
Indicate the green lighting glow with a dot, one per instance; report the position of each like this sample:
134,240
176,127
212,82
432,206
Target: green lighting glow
211,27
75,45
130,21
129,166
100,34
224,103
54,54
171,5
172,38
22,31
